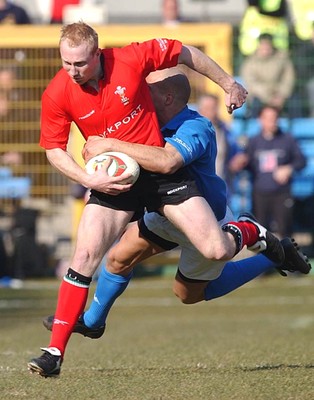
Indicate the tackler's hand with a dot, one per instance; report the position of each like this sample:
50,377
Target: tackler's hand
235,97
96,145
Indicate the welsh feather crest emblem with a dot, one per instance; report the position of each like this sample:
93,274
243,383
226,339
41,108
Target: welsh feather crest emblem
121,92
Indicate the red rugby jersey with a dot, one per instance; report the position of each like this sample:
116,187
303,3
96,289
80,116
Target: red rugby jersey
122,108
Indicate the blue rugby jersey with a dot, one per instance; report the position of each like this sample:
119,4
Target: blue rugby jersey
194,138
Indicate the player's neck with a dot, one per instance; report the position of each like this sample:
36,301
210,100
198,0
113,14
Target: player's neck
94,82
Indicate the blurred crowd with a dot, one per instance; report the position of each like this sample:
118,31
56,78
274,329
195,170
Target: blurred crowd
275,43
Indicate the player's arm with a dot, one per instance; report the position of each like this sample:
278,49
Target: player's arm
164,160
55,127
100,180
235,94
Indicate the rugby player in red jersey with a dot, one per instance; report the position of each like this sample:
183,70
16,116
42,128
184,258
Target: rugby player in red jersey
104,92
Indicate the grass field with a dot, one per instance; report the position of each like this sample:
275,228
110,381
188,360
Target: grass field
254,344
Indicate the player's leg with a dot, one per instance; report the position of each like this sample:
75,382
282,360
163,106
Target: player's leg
98,229
131,249
233,275
197,221
196,273
237,273
189,291
197,278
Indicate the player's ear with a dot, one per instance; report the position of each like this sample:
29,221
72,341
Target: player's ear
169,98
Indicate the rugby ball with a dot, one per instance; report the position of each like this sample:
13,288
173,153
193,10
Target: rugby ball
120,163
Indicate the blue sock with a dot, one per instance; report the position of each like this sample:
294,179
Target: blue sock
236,274
109,288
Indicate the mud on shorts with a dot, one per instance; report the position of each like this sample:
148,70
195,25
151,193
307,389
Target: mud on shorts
192,264
150,192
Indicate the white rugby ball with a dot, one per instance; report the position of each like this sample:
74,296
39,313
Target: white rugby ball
120,163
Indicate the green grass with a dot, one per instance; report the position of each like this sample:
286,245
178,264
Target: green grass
254,344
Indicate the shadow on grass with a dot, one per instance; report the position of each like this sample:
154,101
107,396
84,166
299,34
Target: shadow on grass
274,366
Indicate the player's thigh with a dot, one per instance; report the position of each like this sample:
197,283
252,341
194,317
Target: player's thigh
132,248
193,212
98,229
197,221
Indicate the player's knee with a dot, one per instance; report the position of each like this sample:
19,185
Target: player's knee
217,253
113,264
186,298
85,259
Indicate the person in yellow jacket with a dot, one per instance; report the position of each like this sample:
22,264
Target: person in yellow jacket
264,16
302,15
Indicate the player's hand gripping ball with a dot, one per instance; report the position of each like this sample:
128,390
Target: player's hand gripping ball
120,163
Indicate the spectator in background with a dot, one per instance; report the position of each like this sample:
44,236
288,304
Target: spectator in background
229,152
57,10
8,93
272,158
12,14
7,89
4,268
264,16
270,77
170,12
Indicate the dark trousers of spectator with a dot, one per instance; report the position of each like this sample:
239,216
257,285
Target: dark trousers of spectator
29,259
4,268
275,212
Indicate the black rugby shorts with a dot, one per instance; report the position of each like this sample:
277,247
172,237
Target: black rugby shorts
150,192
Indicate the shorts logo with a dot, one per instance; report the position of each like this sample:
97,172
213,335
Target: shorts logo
177,189
121,92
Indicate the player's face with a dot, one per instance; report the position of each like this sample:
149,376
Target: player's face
81,62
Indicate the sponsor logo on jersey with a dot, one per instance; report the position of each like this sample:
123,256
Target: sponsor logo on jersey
120,91
87,115
125,121
183,144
